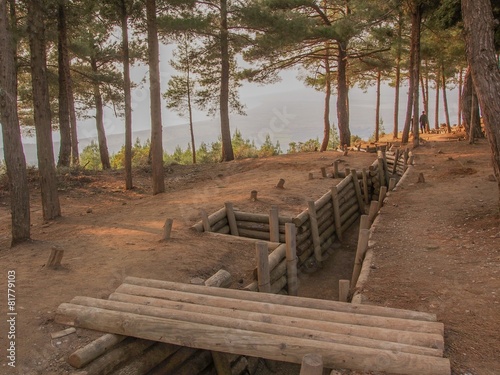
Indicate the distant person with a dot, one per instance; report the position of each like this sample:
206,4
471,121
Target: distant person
424,122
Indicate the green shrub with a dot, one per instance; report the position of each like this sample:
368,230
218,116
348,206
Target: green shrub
90,157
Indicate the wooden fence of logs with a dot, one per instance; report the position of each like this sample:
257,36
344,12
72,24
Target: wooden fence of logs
291,241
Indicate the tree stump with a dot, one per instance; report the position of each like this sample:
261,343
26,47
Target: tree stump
281,184
421,178
253,195
167,229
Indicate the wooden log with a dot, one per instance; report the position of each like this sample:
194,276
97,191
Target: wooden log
217,226
327,233
170,365
396,159
326,226
322,201
347,171
303,248
344,286
274,230
62,333
95,349
220,279
252,343
392,183
364,234
231,219
110,360
271,245
280,184
346,194
323,172
304,236
383,192
357,190
55,257
277,256
310,176
167,229
347,206
344,183
372,213
278,285
253,195
312,364
278,272
381,172
364,222
330,331
199,362
224,230
149,359
325,213
351,220
258,226
258,235
288,301
221,363
314,231
263,271
291,259
336,213
365,186
336,169
204,219
259,218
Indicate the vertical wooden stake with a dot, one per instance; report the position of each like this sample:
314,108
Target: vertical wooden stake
383,192
373,211
274,228
344,286
253,195
204,220
263,272
365,187
315,231
336,169
312,364
381,174
364,222
323,172
360,255
311,176
167,229
410,160
392,183
347,171
281,184
395,166
291,258
405,156
231,219
55,258
336,213
361,203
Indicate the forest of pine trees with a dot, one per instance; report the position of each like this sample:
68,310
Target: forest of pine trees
64,60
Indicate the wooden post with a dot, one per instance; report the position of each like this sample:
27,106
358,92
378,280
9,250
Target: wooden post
336,169
167,229
347,171
360,255
364,222
291,258
392,183
336,213
383,192
311,176
365,186
323,172
221,363
281,184
314,231
421,178
357,189
274,227
263,272
405,156
231,219
253,195
204,220
312,364
395,166
55,258
344,286
372,213
410,160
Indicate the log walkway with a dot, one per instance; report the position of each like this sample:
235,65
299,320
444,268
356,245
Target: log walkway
276,327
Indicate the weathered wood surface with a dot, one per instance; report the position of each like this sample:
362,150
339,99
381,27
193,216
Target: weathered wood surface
241,326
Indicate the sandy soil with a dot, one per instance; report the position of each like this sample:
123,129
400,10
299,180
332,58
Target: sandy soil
436,245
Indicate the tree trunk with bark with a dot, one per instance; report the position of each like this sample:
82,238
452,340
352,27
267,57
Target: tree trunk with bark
397,82
377,108
479,26
13,148
343,96
99,119
41,109
128,97
460,85
326,110
436,106
63,63
470,108
155,95
227,147
415,50
445,102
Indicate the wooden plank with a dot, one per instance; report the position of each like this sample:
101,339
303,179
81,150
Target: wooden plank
284,300
240,341
314,231
231,219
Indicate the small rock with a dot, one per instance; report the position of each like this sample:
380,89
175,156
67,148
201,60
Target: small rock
89,210
197,281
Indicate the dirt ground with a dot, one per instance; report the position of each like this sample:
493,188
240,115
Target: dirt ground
436,245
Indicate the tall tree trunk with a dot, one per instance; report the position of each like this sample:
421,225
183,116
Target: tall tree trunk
75,155
377,108
398,76
155,95
227,147
128,97
189,98
436,107
99,119
445,102
13,148
343,96
460,85
415,50
326,109
41,109
466,96
63,63
479,36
